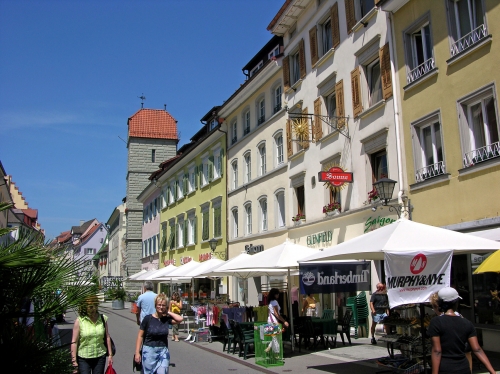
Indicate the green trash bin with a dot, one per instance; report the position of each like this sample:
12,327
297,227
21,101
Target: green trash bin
268,344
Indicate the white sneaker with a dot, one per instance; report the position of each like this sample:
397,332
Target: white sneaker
188,338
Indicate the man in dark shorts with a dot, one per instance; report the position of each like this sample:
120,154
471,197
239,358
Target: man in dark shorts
379,306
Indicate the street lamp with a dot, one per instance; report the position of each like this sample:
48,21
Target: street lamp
385,189
213,245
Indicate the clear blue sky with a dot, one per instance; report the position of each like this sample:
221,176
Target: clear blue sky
70,76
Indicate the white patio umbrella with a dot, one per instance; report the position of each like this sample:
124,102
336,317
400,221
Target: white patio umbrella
179,274
403,235
146,275
133,276
163,272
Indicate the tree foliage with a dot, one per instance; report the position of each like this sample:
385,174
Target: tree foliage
50,279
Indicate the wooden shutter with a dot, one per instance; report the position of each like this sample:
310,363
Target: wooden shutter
176,235
195,228
318,123
302,59
200,173
221,162
289,146
350,15
195,177
334,20
206,231
176,191
210,168
313,45
357,107
385,71
168,194
305,139
185,184
185,241
339,98
286,72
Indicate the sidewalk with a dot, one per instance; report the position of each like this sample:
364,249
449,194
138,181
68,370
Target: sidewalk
359,357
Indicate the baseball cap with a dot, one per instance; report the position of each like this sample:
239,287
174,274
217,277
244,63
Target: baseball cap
448,294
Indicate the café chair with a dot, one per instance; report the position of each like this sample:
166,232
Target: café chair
308,332
328,314
345,327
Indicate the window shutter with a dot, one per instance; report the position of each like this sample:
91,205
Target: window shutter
286,72
210,168
176,190
385,71
171,237
339,98
305,139
196,177
313,45
176,236
302,59
168,195
200,172
357,107
334,19
289,147
195,233
350,15
318,125
185,241
206,230
221,162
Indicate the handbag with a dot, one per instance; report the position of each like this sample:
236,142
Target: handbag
110,370
113,348
136,366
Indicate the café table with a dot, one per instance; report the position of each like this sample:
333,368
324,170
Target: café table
328,328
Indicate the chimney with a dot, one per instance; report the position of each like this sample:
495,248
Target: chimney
82,222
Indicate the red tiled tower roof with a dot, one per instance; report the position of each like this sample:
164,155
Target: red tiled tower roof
152,123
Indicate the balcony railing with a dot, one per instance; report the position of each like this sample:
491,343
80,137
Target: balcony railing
234,140
430,171
246,130
277,108
482,154
469,40
261,120
420,70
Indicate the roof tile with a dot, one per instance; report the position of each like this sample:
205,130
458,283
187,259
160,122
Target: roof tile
152,123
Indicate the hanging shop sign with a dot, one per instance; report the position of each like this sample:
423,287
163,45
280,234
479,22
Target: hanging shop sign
373,223
185,260
169,262
321,237
253,249
204,257
334,277
335,176
414,275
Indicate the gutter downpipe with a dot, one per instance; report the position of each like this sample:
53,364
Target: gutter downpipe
402,197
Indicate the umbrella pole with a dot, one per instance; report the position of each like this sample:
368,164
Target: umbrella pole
290,309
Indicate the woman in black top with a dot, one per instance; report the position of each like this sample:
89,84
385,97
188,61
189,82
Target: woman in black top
153,336
449,333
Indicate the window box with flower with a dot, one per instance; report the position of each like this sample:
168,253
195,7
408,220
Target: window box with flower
373,196
299,218
332,208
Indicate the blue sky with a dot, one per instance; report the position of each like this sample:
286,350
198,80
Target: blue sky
71,73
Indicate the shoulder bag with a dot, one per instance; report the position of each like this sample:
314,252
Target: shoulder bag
113,348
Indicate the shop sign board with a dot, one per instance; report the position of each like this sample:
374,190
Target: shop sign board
334,277
169,262
185,260
336,176
322,237
412,276
253,249
373,223
204,257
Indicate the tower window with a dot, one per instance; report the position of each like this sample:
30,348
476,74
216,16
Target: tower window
153,155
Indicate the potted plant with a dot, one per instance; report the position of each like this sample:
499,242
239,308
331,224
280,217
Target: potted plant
298,218
133,302
373,196
332,208
117,295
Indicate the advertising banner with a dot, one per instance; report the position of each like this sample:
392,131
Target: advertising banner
334,277
413,276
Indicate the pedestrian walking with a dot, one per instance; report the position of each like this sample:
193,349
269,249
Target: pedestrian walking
153,337
88,351
175,307
379,306
146,302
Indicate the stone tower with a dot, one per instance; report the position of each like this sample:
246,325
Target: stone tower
152,139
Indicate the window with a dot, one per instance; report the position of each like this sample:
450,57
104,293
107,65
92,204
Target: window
205,227
262,159
171,238
366,6
204,172
191,239
466,18
144,249
163,197
180,186
261,112
326,36
153,245
234,129
419,54
294,68
89,251
374,82
153,155
379,165
275,52
479,127
155,209
217,157
248,167
299,191
217,222
248,219
150,211
180,234
263,214
192,179
235,222
257,68
277,99
234,168
172,192
280,209
278,142
246,122
331,109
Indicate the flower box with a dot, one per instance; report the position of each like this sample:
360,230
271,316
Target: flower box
299,217
332,208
